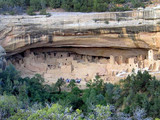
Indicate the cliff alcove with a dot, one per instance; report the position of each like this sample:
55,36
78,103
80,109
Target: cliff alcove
81,45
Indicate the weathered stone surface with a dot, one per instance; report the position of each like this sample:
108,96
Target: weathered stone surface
121,30
81,45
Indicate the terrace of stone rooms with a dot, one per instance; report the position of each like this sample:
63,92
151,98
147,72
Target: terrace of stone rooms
68,65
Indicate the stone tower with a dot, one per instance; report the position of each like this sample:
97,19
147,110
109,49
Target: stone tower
150,55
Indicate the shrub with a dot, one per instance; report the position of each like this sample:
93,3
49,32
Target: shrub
55,3
12,13
8,106
106,22
48,15
56,112
125,8
35,4
74,5
157,119
43,12
20,115
137,3
30,11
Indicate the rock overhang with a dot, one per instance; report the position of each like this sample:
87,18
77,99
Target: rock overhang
132,30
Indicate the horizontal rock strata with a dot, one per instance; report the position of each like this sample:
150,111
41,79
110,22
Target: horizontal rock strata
101,36
121,30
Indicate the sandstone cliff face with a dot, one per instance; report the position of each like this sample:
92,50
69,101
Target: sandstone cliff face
72,45
116,30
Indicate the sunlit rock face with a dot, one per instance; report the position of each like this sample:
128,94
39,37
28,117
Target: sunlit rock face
99,36
124,30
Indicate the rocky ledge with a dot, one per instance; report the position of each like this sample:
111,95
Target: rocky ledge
82,45
128,31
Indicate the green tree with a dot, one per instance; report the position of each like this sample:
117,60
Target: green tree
96,83
68,5
36,89
55,3
77,5
90,99
73,98
35,4
99,5
141,90
59,84
9,80
72,84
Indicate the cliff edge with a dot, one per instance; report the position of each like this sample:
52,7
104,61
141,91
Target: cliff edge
121,30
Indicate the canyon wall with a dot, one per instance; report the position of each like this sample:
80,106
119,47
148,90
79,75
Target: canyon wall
104,35
120,30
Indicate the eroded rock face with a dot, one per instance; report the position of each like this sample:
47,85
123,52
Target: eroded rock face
125,30
118,34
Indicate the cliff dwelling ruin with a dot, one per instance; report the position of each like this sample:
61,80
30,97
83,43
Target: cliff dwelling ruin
82,45
54,63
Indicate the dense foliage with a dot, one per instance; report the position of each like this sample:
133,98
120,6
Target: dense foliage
134,98
18,6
